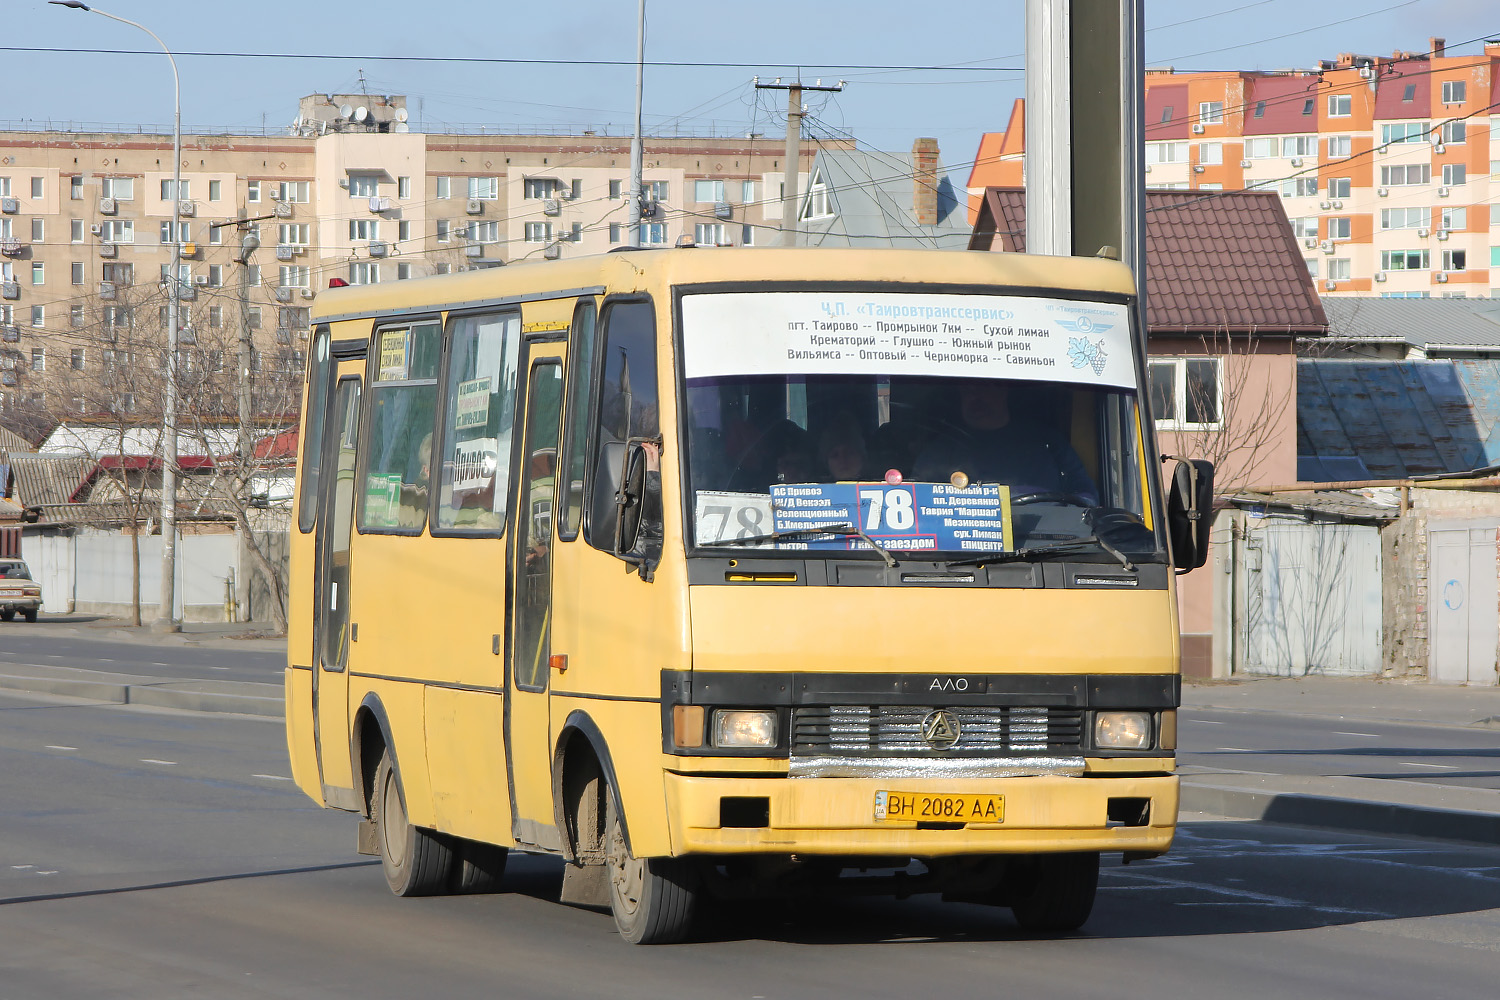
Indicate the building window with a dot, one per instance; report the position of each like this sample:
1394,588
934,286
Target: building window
364,229
1405,174
747,192
78,359
1258,148
1339,187
1210,152
484,188
489,232
1403,218
296,191
1340,146
294,234
123,231
1339,269
1453,260
539,187
118,188
252,191
38,359
1404,260
1453,174
38,316
403,231
818,204
364,273
184,233
655,190
1166,152
709,234
215,275
1260,109
75,230
215,317
38,273
708,192
38,231
538,232
1210,112
1338,228
1299,187
1403,132
75,316
442,187
747,235
1312,266
76,270
1185,393
1340,105
442,268
295,276
1305,226
403,271
1453,91
215,190
614,232
403,188
1455,218
443,231
75,188
653,233
364,185
614,190
36,187
167,189
1299,145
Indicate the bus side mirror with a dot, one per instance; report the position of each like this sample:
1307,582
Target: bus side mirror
1190,504
638,512
629,499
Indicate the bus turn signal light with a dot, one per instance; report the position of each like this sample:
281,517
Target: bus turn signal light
687,726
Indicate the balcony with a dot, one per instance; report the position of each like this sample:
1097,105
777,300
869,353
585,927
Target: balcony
10,246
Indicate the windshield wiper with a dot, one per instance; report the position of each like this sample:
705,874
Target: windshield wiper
840,528
1042,551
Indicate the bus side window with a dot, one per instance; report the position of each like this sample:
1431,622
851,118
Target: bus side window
319,375
627,408
403,396
478,423
575,453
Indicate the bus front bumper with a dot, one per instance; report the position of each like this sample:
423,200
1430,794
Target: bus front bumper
837,816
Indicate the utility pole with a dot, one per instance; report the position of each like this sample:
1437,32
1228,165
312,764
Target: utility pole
637,150
793,149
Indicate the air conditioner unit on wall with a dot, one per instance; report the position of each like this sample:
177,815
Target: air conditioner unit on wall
1422,234
107,206
1442,278
10,206
1443,192
187,209
1296,161
283,210
1379,275
1382,192
1244,164
1330,285
1442,234
1197,129
474,206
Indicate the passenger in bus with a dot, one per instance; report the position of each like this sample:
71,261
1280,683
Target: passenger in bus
842,456
990,444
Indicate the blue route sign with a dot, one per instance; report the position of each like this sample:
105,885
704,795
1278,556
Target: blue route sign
905,517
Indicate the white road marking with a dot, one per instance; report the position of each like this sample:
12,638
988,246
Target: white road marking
51,747
22,868
1204,722
53,872
1371,736
1237,750
218,668
152,760
1445,767
271,777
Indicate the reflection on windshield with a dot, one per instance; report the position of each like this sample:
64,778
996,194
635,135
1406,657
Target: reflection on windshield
918,462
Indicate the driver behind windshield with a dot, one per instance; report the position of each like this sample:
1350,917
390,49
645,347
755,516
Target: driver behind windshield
990,444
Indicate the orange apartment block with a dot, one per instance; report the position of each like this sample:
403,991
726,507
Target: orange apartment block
1385,165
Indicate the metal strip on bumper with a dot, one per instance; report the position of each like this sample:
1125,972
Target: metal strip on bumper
933,767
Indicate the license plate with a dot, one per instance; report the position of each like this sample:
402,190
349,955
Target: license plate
922,807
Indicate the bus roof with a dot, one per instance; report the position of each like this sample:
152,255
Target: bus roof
648,269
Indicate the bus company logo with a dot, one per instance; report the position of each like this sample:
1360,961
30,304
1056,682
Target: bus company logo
940,729
958,684
1085,353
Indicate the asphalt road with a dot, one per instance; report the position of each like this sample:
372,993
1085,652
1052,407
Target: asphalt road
147,659
163,854
1294,744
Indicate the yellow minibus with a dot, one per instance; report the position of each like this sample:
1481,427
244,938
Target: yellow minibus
720,573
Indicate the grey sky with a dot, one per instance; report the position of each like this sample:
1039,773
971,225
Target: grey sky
884,108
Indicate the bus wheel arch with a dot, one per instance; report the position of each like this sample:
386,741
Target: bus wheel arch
369,738
582,773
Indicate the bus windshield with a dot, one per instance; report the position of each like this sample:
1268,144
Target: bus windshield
917,423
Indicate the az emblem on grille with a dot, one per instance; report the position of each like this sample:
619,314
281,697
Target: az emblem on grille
940,729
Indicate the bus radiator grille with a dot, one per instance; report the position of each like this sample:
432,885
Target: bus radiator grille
897,730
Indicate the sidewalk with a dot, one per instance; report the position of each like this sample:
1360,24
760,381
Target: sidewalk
1367,805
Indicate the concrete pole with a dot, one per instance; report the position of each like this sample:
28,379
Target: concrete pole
792,161
637,148
1049,161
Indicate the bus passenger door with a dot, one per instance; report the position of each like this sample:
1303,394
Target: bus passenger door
528,736
331,610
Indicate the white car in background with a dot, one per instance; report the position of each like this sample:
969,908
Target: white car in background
18,591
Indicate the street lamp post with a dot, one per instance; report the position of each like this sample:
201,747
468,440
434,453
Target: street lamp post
166,617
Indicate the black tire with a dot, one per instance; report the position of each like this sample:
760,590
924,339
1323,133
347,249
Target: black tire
653,899
1055,892
30,614
8,615
417,862
478,867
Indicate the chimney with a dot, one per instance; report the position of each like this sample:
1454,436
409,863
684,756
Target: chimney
924,202
1435,46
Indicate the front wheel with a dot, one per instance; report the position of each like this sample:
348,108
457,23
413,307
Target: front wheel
1055,892
417,862
29,613
652,899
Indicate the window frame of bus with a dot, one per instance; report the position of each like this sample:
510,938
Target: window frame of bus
505,464
690,542
367,432
578,396
596,401
318,381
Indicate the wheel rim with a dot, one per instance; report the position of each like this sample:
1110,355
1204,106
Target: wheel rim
393,820
626,874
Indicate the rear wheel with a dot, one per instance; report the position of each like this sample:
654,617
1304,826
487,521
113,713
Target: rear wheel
478,867
30,614
8,615
1055,892
652,899
417,862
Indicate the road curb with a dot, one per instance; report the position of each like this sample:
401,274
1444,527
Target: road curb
1334,813
189,696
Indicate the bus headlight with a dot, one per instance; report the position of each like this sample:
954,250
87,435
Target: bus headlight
734,727
1122,730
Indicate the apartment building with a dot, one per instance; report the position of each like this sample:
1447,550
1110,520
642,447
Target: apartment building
348,191
1386,166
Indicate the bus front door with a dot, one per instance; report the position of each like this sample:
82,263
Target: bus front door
331,607
529,737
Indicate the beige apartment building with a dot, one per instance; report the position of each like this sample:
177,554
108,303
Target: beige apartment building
348,191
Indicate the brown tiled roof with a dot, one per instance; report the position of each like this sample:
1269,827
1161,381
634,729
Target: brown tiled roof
1215,261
